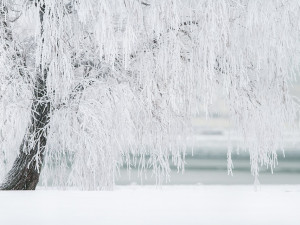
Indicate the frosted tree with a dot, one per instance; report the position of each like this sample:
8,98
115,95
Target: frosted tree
87,86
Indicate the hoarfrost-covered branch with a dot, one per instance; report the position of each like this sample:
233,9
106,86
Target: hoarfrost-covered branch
124,77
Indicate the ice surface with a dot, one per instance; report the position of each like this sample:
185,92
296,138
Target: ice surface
168,205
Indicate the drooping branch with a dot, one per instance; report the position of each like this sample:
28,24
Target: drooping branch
143,68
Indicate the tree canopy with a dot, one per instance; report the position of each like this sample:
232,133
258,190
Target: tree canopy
122,78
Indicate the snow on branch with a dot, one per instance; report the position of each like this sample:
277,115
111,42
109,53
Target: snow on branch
125,76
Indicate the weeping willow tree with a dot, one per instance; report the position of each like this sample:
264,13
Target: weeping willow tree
87,86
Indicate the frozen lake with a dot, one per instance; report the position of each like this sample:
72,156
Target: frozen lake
208,163
209,166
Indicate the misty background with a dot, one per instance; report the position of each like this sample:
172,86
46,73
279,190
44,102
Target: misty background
206,163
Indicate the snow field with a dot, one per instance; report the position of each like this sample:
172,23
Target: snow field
168,205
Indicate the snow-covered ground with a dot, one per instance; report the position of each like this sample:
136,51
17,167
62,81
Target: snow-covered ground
168,205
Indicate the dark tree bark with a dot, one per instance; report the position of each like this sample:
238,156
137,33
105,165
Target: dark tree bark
25,172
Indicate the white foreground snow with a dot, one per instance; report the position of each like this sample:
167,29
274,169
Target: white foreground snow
169,205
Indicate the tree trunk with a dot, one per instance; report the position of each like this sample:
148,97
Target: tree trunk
25,172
